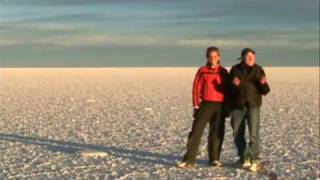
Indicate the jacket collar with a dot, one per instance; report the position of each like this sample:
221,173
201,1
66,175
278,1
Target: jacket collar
216,68
247,70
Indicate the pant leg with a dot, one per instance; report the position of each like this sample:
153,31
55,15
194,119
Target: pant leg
201,119
216,133
238,126
253,150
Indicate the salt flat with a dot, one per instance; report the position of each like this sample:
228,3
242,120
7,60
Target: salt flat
138,120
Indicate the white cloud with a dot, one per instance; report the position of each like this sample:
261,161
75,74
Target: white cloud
132,40
236,43
46,27
81,40
93,40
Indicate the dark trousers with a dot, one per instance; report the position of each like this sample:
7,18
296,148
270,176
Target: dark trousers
241,117
209,112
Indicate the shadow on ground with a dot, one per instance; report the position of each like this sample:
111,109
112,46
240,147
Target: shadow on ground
73,148
135,155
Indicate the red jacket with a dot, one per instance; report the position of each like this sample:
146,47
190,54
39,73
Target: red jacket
209,85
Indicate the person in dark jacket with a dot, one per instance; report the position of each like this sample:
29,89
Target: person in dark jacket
208,95
247,84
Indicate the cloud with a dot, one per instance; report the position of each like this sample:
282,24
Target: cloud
46,27
82,40
8,42
67,35
240,43
104,40
98,40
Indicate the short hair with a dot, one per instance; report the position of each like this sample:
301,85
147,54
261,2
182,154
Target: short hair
245,51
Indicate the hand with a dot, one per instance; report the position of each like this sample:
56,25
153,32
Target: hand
236,81
263,80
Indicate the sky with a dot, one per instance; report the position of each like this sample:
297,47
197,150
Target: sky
122,33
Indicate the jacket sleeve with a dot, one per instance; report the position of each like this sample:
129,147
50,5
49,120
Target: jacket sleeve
226,104
233,89
197,89
264,88
226,88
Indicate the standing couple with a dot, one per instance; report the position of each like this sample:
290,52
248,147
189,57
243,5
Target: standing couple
218,93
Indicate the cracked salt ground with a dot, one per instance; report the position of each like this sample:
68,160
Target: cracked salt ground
85,124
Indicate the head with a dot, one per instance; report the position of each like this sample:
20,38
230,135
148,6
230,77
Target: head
213,56
248,56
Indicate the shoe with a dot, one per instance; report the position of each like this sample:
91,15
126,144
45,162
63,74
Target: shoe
185,165
247,163
239,162
216,163
255,166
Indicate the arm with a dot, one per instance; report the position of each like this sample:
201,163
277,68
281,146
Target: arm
263,84
233,88
197,90
226,90
225,86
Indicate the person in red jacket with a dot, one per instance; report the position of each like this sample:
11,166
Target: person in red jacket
208,97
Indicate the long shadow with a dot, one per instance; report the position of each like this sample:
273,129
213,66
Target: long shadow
135,155
73,147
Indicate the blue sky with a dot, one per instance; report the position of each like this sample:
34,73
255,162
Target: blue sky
156,33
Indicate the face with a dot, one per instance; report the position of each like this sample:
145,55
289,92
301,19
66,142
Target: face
250,59
214,58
